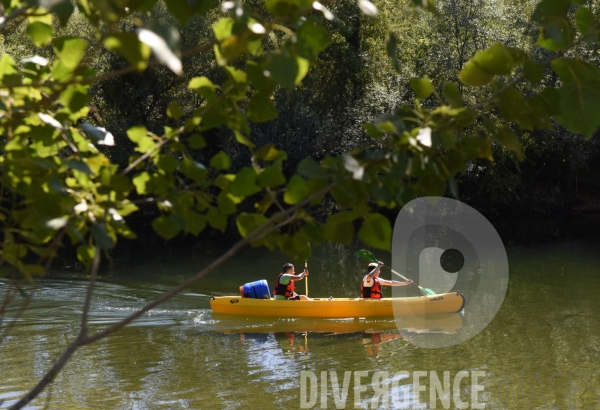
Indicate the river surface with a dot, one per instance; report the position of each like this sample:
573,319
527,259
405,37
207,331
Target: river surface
541,351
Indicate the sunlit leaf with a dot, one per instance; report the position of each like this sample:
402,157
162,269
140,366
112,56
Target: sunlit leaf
161,49
40,33
422,87
220,161
70,50
129,46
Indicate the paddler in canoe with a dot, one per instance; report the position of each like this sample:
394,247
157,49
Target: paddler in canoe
370,287
284,285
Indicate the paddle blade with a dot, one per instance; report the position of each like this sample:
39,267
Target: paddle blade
366,255
427,291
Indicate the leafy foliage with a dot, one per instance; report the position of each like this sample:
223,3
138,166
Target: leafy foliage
230,114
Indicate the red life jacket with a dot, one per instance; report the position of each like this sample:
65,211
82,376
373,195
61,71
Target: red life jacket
281,289
373,292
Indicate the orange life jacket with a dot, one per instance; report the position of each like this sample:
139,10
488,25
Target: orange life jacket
281,289
373,292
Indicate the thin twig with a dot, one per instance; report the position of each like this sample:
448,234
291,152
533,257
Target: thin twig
84,340
265,228
88,297
281,225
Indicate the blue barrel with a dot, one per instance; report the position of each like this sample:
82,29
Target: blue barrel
256,290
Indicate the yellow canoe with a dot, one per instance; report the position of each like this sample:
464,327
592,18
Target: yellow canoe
339,308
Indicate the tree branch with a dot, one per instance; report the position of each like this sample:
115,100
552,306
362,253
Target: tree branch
264,229
88,297
82,339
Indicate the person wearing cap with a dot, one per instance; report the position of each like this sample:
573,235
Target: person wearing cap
284,287
370,287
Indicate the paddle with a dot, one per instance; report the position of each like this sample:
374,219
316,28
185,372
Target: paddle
306,267
366,255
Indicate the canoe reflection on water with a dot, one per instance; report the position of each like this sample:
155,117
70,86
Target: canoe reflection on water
292,334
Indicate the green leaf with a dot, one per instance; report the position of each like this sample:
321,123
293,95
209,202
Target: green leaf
339,227
444,139
514,107
85,254
62,8
174,110
195,222
223,28
141,183
203,86
422,87
40,33
550,8
283,70
586,22
101,236
295,191
75,97
453,96
193,170
127,209
476,147
197,141
550,98
510,141
70,50
256,75
247,223
139,135
579,95
575,71
312,38
79,166
216,220
533,72
372,131
392,51
261,108
311,169
580,107
237,76
244,183
166,163
271,177
226,203
303,66
220,161
268,153
9,74
129,46
242,139
166,226
390,123
556,33
185,10
496,60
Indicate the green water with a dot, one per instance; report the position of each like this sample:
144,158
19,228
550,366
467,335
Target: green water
181,357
